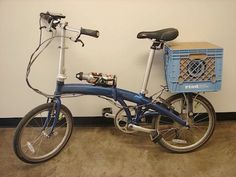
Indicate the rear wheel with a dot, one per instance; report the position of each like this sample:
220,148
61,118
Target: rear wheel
200,117
34,139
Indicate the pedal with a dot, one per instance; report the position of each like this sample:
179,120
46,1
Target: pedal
155,137
107,115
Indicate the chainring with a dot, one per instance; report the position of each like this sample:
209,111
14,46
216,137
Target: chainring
121,119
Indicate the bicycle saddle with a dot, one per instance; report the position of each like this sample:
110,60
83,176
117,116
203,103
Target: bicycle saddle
167,34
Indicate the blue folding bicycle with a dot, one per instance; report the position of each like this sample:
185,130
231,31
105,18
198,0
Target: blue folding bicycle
181,123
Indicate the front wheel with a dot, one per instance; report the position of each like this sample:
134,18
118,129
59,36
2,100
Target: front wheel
38,137
200,115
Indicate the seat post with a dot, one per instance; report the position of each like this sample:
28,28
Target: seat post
149,67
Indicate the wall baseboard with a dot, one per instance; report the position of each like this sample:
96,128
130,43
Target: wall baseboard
78,122
102,121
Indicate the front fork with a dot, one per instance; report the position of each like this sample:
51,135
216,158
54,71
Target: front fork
57,108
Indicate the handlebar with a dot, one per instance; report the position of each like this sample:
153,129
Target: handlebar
53,19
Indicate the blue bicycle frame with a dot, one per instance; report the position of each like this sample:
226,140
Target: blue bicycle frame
117,94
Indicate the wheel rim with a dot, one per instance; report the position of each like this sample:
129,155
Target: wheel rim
179,137
37,143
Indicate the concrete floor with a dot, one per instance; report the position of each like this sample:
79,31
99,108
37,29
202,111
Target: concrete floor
106,152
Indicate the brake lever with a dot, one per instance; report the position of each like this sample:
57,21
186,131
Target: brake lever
79,40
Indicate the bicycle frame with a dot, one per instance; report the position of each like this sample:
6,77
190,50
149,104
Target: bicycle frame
117,94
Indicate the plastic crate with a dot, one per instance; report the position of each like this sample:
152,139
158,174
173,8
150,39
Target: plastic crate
193,67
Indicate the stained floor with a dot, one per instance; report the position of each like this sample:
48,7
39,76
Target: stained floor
106,152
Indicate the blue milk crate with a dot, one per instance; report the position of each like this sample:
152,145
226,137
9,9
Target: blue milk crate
193,67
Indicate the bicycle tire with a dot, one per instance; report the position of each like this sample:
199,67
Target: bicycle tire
180,145
31,122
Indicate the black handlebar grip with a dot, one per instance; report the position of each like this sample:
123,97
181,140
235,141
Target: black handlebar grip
89,32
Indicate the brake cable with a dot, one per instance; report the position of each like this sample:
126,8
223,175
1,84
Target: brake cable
35,56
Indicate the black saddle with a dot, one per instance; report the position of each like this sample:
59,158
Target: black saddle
167,34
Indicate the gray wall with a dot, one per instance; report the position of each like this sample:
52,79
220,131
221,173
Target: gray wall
117,51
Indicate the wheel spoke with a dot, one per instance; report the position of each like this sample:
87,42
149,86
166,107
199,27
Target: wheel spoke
35,142
37,151
207,117
198,127
37,122
178,138
169,130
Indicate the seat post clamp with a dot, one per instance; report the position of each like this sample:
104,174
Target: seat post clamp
157,45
